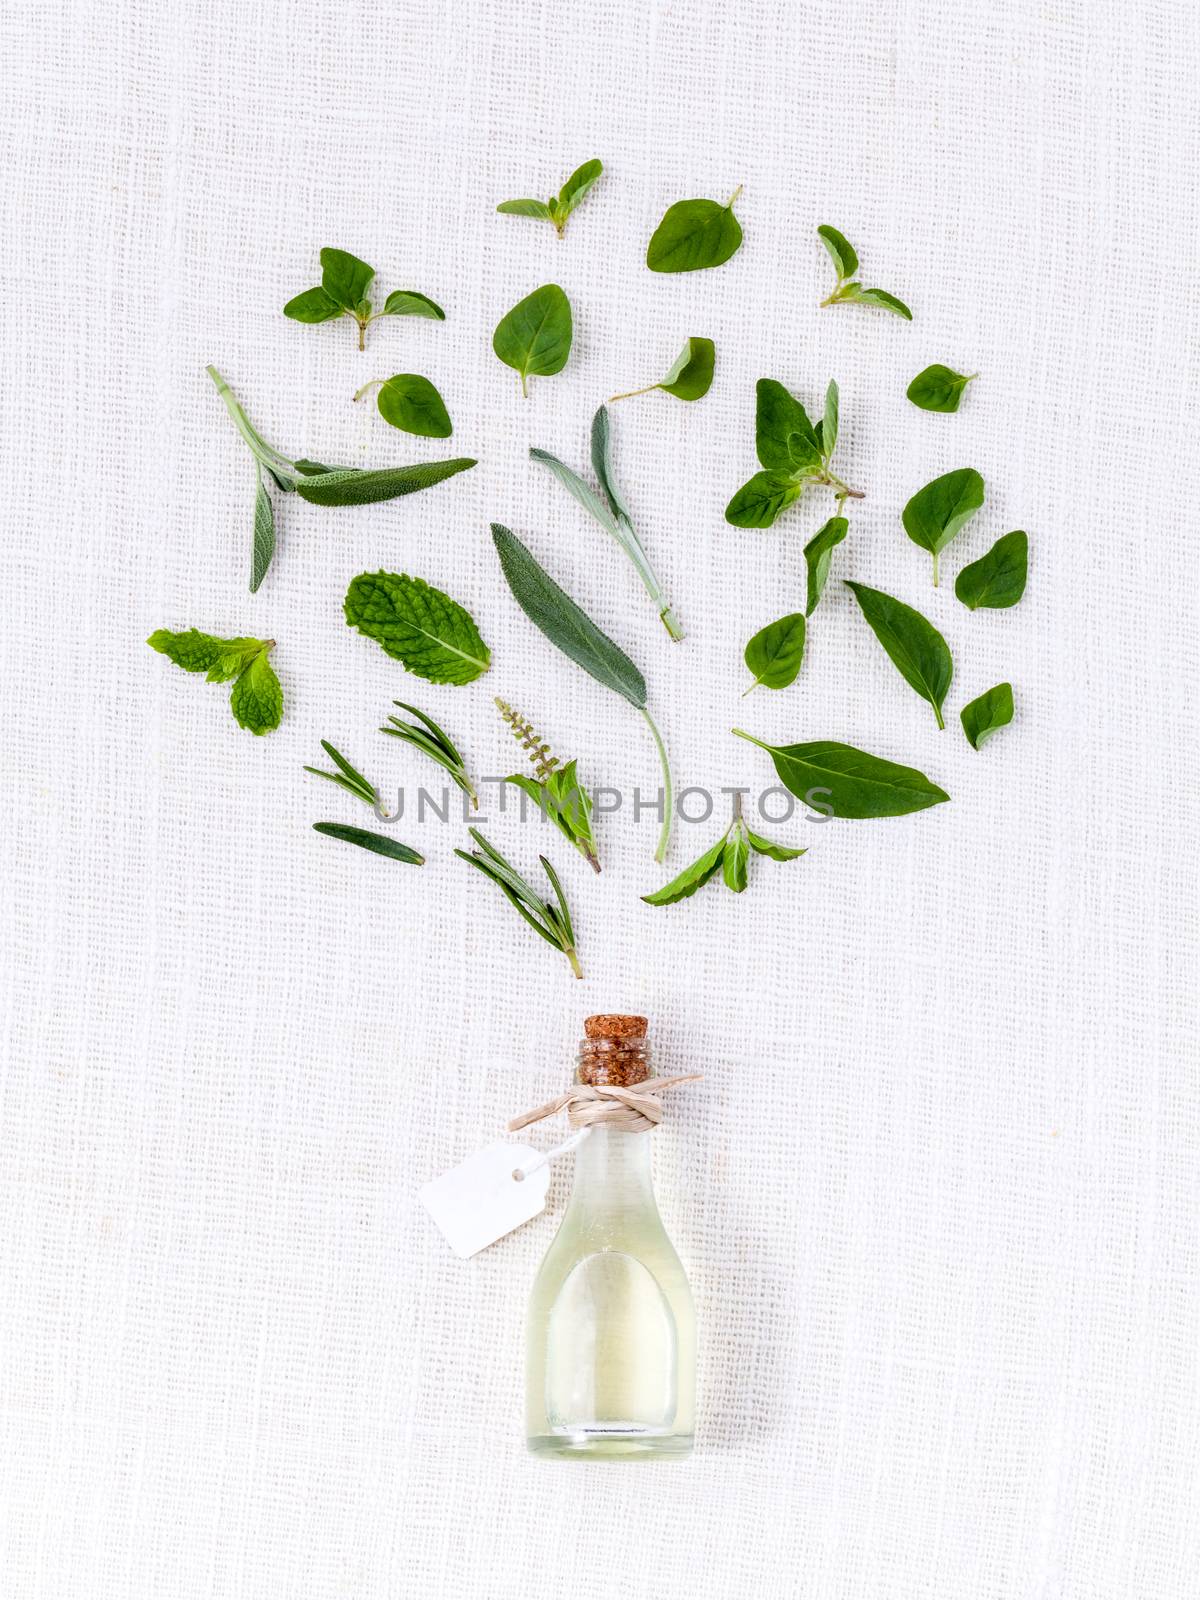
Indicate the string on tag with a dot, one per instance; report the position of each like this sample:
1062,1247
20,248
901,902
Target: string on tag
633,1109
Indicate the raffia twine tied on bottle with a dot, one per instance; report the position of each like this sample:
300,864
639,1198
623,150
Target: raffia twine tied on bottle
616,1089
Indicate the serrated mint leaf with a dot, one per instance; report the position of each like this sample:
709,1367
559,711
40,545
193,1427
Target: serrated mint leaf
418,625
817,555
775,652
257,699
694,234
918,650
841,251
936,513
412,404
938,388
981,717
534,338
847,782
997,579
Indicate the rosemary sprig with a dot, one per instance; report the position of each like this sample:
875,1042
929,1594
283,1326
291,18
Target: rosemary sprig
551,921
346,777
435,743
556,789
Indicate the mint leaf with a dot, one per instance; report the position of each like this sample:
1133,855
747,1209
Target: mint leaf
775,652
257,699
730,855
818,553
849,782
936,513
775,852
938,388
997,579
920,653
694,234
534,338
418,625
412,404
981,717
692,877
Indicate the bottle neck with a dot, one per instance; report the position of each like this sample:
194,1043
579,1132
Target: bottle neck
612,1170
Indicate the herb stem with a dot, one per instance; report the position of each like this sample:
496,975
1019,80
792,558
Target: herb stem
733,197
935,569
569,952
844,489
367,387
664,837
244,426
671,623
632,394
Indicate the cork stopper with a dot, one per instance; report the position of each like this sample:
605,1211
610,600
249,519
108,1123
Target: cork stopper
614,1051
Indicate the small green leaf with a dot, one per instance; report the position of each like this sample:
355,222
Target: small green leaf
775,652
889,302
263,547
694,234
849,782
349,488
220,659
525,208
829,422
412,404
783,435
314,305
997,579
345,279
818,553
256,698
775,852
981,717
918,650
418,625
938,388
690,879
760,500
691,376
842,252
578,184
936,513
411,303
568,627
378,843
534,338
735,862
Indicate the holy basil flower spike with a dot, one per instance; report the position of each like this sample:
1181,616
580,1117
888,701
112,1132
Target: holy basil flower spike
559,206
694,234
794,453
845,260
690,377
342,292
556,790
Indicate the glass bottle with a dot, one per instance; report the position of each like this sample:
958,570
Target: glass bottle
611,1354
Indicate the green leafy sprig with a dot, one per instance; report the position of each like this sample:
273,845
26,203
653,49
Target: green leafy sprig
556,789
611,512
256,698
730,856
551,920
435,742
559,206
794,453
319,484
346,777
690,377
342,292
845,261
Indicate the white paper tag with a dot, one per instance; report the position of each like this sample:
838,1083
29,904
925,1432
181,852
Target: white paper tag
479,1201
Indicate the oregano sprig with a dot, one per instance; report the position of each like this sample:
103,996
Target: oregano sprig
559,206
551,920
795,454
845,261
556,789
342,292
435,742
691,374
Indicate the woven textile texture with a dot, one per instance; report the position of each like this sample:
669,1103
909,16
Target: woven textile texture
937,1192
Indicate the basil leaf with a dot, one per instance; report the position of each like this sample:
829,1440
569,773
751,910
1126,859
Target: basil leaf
843,253
690,879
818,553
938,388
783,435
418,625
936,513
345,279
264,534
981,717
850,782
889,302
314,305
694,234
409,303
412,404
553,611
691,375
918,650
578,184
379,843
534,338
776,852
735,862
997,579
346,487
775,652
525,208
257,699
760,500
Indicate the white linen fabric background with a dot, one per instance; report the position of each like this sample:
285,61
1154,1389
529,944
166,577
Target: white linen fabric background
937,1192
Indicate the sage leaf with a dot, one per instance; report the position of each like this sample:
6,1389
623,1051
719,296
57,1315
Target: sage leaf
534,338
314,305
920,653
760,500
378,843
849,782
256,698
818,553
938,511
418,625
775,652
692,877
411,403
939,388
694,234
410,303
691,374
991,710
843,253
348,487
829,421
997,579
264,533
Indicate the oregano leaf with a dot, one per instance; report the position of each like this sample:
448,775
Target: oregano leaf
534,338
818,553
775,652
997,580
938,511
411,403
694,234
991,710
939,388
